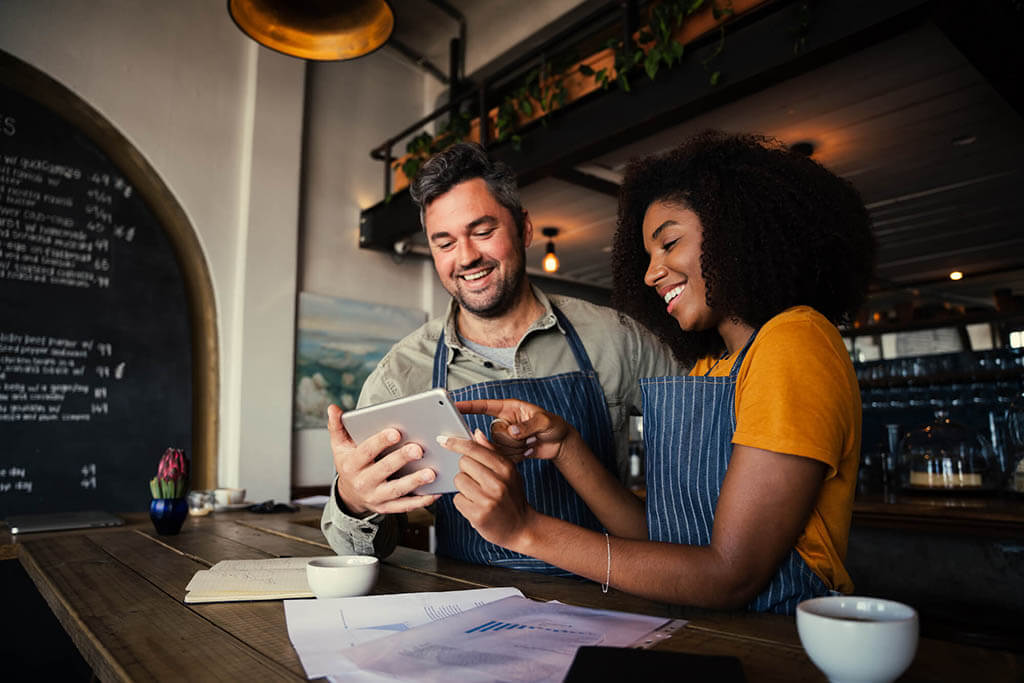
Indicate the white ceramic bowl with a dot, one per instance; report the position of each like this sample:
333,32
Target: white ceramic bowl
854,638
342,576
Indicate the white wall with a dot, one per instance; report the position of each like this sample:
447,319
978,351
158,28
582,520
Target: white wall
353,107
210,111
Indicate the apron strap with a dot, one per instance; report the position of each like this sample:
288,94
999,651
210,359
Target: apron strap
743,354
440,373
739,359
575,343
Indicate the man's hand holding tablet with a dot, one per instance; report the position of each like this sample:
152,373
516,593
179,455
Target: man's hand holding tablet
419,420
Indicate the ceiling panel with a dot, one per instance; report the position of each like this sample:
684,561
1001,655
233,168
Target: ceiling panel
933,149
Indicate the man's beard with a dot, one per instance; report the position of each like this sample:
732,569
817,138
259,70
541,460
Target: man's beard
499,302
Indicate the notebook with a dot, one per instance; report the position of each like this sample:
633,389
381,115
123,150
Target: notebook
277,578
60,521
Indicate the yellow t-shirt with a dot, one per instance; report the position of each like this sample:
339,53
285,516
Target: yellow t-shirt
797,393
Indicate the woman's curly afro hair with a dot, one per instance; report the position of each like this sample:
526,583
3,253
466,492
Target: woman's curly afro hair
779,231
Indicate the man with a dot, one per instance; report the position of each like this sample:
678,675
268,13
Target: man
501,338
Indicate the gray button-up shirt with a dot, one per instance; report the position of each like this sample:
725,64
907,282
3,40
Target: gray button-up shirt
620,349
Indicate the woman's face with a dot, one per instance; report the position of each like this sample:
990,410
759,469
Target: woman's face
672,237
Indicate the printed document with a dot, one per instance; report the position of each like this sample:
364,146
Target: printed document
515,639
324,630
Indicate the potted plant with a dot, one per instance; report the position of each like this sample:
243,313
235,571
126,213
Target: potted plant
169,507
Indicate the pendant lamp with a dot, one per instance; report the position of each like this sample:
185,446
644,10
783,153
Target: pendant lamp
550,263
322,30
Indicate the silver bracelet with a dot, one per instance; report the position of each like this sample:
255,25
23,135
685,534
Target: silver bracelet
608,571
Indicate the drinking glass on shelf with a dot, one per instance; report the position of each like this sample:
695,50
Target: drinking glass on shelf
871,474
896,397
1015,443
957,394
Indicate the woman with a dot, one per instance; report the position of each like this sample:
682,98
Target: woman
743,255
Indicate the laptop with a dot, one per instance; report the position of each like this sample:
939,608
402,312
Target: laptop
61,521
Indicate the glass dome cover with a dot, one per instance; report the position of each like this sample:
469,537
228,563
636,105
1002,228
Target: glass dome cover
947,455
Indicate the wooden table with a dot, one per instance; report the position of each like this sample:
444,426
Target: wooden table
118,593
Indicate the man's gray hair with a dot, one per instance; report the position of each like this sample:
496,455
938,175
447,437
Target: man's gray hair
459,163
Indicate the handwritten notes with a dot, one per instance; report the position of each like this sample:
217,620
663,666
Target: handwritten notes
233,580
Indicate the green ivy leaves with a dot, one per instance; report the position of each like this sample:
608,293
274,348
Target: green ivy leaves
543,88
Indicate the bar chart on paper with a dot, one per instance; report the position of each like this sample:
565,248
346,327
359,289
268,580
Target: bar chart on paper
494,626
513,639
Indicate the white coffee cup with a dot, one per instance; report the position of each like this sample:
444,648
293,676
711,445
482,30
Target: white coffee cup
228,496
342,576
860,639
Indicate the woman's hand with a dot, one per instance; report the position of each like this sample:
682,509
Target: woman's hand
490,492
522,430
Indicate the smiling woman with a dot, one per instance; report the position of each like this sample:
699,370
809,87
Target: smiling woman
778,230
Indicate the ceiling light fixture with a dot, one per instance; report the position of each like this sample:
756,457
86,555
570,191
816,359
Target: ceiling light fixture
323,31
550,263
956,275
805,147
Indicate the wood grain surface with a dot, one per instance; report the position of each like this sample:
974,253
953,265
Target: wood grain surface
118,593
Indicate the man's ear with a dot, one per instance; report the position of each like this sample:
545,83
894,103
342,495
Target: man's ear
527,229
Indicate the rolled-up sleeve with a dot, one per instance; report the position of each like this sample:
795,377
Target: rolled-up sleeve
348,535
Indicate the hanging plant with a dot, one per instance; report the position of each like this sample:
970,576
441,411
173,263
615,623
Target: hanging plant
652,50
423,146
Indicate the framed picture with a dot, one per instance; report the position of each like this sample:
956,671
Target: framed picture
340,342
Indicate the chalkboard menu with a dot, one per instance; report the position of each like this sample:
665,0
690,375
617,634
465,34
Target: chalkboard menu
95,351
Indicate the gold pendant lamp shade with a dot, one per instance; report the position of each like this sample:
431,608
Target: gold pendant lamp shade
325,30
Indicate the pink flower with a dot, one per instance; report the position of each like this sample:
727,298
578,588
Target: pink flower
173,465
171,480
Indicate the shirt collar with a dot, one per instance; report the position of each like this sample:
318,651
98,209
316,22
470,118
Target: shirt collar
544,322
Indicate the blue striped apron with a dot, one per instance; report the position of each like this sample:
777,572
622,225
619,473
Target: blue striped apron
688,427
576,396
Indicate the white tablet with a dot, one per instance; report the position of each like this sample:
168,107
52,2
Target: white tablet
420,418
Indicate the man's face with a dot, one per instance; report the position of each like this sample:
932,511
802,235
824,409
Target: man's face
477,250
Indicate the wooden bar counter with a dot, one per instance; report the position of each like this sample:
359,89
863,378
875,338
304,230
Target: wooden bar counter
118,593
993,516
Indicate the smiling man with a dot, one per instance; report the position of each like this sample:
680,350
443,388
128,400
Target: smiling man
501,338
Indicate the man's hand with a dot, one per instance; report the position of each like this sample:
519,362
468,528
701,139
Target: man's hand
491,495
363,483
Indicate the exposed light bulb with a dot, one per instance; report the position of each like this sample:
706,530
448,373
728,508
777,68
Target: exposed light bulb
956,275
550,263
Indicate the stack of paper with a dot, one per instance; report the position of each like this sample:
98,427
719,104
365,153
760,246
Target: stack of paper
476,635
231,580
322,631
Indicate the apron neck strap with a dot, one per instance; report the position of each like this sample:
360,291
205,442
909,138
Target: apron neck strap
739,359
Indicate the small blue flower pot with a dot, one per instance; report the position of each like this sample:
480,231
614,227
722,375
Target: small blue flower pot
168,514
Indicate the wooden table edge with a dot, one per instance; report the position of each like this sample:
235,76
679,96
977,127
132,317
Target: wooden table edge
99,658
